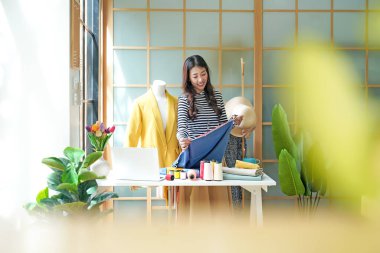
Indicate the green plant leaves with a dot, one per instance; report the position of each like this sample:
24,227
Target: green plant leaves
54,163
281,133
75,155
100,198
87,175
91,158
42,195
70,176
69,187
290,181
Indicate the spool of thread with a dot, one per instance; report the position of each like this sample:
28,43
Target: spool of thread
191,174
218,172
171,172
201,169
176,174
208,173
183,174
169,177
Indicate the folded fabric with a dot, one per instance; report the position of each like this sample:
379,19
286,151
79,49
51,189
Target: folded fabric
251,160
246,165
244,172
209,146
227,176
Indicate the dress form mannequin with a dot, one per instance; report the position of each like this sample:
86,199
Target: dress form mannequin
158,89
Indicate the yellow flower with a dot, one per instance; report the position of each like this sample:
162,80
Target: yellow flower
98,133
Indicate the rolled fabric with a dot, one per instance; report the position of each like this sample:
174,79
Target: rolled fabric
218,172
246,165
208,173
191,174
243,172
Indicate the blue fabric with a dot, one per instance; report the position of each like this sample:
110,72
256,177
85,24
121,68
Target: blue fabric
210,146
227,176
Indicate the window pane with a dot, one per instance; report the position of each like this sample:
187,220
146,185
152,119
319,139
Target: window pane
212,60
279,29
349,4
349,29
238,4
119,136
202,29
279,4
271,169
129,4
202,4
283,96
314,26
166,65
231,67
242,37
268,148
129,28
374,93
123,102
129,67
274,65
231,92
314,4
357,60
165,4
374,30
374,67
174,91
166,28
374,4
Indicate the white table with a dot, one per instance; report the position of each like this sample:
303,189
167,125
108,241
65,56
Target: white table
254,187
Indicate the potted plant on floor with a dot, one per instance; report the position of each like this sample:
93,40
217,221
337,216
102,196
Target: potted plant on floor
71,188
301,165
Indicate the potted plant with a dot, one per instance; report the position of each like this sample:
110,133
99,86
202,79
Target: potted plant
301,165
99,134
71,187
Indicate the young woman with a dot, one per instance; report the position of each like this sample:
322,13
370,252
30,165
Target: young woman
200,109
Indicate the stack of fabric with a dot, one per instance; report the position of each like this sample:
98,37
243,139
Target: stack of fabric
243,171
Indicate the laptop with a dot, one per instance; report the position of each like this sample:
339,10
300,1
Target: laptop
139,164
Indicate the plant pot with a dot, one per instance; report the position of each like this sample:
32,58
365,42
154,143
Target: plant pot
101,167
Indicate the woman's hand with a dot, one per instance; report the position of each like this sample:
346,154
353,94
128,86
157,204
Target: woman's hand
237,119
246,132
184,143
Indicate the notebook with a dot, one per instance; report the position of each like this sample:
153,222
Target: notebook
140,164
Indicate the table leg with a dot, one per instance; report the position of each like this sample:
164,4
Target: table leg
149,205
256,210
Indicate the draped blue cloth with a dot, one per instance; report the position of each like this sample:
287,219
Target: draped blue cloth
209,146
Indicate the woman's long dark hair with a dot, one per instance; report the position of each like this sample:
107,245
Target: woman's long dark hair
189,91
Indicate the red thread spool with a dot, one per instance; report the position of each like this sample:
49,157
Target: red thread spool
201,169
169,177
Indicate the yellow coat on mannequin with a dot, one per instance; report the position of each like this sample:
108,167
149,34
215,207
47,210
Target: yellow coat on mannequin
145,127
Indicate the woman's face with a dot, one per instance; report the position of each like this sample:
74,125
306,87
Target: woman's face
198,78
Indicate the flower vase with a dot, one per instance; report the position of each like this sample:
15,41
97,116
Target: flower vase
101,167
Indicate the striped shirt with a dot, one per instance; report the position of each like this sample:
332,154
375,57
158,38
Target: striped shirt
206,119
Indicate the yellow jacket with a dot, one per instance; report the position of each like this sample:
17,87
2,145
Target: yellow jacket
145,125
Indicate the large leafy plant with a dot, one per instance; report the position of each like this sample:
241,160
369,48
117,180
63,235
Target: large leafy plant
71,187
302,165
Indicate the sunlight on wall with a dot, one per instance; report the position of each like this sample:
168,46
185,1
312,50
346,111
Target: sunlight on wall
34,98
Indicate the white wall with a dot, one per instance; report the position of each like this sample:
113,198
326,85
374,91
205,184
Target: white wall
34,95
